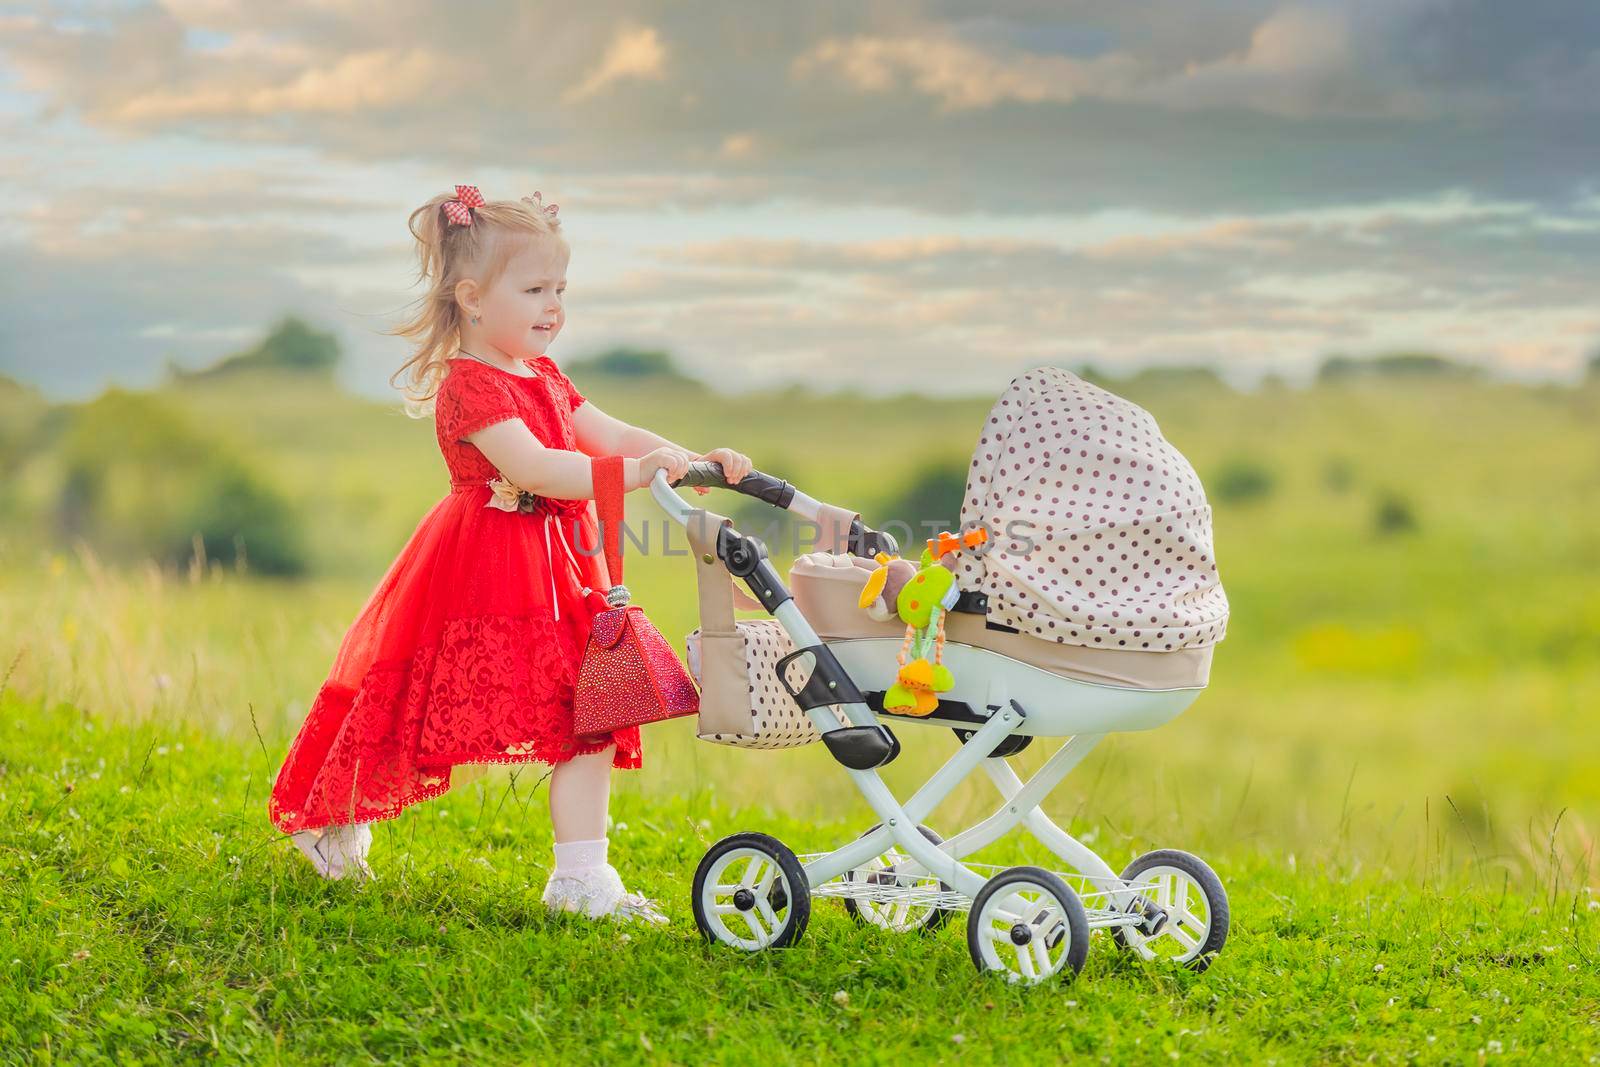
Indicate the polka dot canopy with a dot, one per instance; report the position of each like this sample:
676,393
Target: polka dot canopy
1099,530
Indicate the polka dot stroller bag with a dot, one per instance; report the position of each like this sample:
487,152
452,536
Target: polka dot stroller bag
736,663
1092,608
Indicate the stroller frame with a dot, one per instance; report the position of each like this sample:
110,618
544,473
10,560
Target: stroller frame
931,875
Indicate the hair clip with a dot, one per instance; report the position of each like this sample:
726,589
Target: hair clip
538,203
459,210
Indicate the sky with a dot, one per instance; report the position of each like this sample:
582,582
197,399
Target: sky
888,195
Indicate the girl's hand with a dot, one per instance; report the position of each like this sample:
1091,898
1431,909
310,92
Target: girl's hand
735,465
675,461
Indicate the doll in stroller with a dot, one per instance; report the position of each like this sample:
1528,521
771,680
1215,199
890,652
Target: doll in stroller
1089,604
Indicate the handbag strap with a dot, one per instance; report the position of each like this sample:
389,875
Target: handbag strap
712,580
607,472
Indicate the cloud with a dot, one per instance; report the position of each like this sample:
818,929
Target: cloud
1301,60
1288,66
113,282
739,146
1494,282
635,53
72,322
859,190
1166,106
382,78
958,74
1304,60
605,192
186,214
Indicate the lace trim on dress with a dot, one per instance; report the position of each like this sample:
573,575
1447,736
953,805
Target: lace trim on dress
491,689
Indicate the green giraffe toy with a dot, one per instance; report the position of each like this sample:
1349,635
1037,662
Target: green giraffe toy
922,604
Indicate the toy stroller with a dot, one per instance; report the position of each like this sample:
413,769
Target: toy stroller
1034,641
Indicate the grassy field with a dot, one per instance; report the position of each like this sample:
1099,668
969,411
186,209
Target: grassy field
1393,771
151,916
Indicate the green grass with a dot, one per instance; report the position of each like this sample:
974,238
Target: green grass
150,916
1395,765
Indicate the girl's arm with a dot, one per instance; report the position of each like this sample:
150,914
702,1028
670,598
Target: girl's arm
600,434
526,463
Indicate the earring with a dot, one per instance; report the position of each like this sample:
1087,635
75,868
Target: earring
475,320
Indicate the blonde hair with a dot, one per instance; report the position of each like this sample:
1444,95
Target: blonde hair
446,254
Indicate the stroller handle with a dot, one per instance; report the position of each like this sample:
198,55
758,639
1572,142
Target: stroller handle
864,541
774,491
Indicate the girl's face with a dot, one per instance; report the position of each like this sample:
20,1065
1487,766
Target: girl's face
522,312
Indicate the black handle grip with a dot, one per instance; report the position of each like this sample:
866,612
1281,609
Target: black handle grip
864,540
774,491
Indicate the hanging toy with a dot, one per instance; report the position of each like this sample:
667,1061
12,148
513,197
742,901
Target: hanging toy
884,585
922,599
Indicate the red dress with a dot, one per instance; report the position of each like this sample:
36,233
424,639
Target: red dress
469,648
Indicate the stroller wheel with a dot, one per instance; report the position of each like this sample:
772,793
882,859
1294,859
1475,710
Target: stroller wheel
1028,924
901,916
750,892
1185,906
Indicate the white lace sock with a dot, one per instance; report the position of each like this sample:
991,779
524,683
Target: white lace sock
337,851
584,882
573,857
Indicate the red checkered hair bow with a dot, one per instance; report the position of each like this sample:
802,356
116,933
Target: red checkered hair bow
459,210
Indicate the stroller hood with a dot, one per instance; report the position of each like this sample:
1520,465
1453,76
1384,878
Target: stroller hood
1099,530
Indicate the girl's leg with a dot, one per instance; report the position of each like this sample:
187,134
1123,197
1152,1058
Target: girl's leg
580,793
337,851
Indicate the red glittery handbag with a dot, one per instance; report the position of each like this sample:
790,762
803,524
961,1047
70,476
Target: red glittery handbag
630,674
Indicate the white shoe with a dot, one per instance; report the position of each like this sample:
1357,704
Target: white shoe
598,892
637,907
338,852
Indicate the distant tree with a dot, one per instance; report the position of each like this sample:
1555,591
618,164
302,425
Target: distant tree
932,496
1393,515
292,344
1594,366
790,394
1240,481
1339,368
25,430
1338,474
633,363
139,481
1178,376
1092,374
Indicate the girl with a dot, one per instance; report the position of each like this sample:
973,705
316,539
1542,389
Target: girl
468,650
